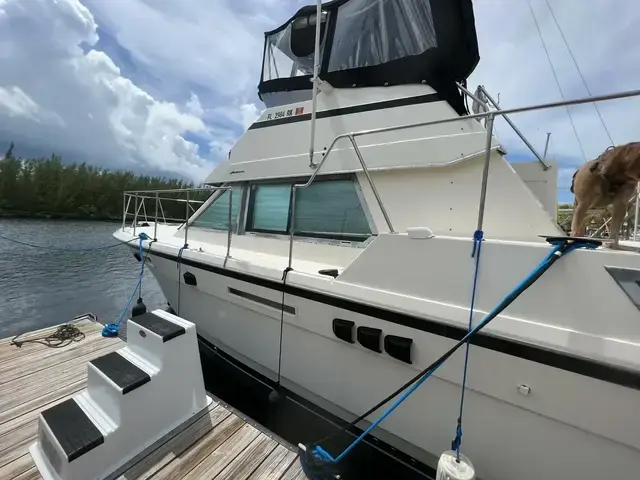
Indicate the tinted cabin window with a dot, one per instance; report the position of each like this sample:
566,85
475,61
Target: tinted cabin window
217,213
327,209
331,209
269,208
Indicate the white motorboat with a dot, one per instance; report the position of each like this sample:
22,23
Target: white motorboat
339,274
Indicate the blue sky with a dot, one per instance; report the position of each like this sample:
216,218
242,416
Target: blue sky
168,86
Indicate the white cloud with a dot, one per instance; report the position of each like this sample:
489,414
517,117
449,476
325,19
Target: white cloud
15,103
192,46
202,60
102,116
216,47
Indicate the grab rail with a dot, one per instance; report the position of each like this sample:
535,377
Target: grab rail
140,210
541,159
296,187
140,196
490,116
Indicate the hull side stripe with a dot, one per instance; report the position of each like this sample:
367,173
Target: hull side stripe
582,366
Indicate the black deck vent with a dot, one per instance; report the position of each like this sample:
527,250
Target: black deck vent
343,329
398,347
190,278
370,338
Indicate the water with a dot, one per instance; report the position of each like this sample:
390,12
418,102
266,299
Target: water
40,288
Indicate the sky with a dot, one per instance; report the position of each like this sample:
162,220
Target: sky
167,86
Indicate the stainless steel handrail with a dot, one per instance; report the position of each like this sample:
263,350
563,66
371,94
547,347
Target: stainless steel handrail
296,187
177,200
542,106
179,190
490,116
542,161
139,197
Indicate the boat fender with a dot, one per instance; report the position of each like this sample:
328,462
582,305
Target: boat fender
275,396
420,233
139,308
452,468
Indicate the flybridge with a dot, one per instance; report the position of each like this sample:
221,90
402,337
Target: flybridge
365,43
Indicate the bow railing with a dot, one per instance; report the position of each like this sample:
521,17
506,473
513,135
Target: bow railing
170,207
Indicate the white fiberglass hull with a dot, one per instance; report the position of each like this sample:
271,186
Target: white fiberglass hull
560,430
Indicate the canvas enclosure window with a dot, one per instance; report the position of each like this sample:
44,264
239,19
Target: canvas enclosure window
290,51
387,30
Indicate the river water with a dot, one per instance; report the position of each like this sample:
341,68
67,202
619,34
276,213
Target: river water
40,287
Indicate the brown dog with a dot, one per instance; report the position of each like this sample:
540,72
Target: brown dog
610,179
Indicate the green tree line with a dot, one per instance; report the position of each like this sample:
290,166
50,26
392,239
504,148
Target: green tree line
47,187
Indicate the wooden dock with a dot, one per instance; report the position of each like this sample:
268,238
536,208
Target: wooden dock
218,444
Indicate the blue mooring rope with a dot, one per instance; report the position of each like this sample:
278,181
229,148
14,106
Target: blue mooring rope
561,248
111,329
63,249
478,238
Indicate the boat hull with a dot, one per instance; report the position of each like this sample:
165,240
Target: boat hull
504,433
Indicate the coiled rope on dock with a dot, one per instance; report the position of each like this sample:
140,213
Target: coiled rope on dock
63,335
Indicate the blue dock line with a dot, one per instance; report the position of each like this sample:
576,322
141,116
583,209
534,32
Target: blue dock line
475,253
65,249
314,456
111,329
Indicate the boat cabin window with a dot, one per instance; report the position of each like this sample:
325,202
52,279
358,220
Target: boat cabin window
269,208
328,209
216,215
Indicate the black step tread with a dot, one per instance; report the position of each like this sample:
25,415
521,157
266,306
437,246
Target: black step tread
158,325
121,371
74,431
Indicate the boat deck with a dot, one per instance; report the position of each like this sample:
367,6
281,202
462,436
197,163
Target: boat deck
218,443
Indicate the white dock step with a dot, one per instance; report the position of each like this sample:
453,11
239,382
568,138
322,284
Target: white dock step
134,397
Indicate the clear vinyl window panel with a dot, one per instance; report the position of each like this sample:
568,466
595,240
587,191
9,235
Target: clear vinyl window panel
216,215
290,52
388,30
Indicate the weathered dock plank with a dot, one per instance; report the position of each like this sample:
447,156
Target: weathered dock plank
275,465
217,444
